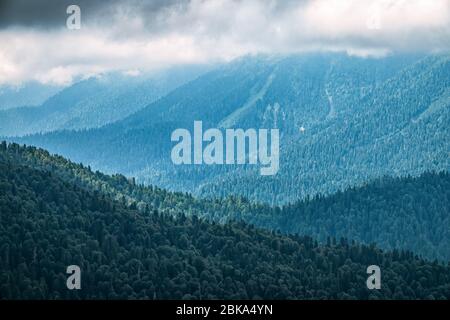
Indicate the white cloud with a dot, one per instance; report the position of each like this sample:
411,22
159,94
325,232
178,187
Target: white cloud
218,30
132,73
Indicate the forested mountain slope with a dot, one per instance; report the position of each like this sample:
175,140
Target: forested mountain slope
400,128
395,213
412,213
31,93
94,102
361,118
48,224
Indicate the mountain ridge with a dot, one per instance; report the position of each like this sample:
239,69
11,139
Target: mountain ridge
387,211
95,102
126,253
371,132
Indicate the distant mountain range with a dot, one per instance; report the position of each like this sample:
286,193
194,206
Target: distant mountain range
343,121
135,242
30,94
93,102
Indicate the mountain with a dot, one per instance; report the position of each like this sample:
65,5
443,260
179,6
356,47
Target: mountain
343,121
94,102
29,94
408,213
48,224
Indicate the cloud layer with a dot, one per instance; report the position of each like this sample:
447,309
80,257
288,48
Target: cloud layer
132,36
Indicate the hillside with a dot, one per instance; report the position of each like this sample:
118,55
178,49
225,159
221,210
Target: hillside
48,223
409,213
362,119
30,94
395,213
94,102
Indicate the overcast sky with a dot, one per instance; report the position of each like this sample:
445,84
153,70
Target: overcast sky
136,36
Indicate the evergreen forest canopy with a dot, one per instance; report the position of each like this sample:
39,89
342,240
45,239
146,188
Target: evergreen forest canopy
343,121
410,213
363,179
54,213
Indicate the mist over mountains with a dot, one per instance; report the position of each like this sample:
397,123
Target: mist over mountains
364,162
343,121
29,94
93,102
209,150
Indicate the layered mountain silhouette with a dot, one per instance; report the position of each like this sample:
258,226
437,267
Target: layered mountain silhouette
54,213
93,102
343,121
31,94
395,213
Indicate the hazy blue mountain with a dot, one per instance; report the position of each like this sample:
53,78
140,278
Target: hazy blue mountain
408,213
27,94
94,102
362,118
399,127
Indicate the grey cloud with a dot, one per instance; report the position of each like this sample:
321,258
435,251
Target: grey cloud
47,14
141,35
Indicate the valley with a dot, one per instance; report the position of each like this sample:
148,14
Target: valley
54,213
374,128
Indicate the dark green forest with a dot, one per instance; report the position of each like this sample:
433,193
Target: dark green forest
410,213
51,218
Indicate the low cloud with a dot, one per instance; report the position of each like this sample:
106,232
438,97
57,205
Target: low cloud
141,36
